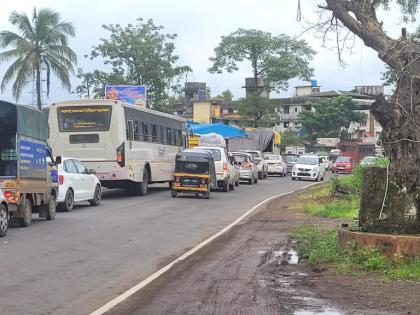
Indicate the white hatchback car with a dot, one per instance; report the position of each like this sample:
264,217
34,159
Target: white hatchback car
77,183
276,164
308,167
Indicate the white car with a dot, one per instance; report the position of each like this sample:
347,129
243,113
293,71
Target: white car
276,164
247,169
226,173
4,215
308,167
260,162
326,162
77,183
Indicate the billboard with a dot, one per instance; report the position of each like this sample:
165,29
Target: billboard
133,94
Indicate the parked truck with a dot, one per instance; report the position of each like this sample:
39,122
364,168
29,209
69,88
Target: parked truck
28,173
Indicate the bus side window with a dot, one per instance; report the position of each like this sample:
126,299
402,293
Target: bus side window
179,137
136,136
154,133
168,135
130,130
161,135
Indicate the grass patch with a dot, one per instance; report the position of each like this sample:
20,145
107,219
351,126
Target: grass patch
341,208
320,246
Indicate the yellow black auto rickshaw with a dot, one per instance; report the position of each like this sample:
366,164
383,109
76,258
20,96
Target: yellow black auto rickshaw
194,173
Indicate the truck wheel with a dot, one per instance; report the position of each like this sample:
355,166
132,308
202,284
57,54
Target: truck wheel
251,181
27,214
97,196
265,175
68,203
256,180
52,208
260,175
174,193
4,220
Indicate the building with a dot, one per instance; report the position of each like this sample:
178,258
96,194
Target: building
288,109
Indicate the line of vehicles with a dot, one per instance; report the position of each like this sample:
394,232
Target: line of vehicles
70,153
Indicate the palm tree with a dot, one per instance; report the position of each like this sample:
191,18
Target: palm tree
40,45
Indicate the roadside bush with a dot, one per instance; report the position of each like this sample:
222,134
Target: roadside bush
320,246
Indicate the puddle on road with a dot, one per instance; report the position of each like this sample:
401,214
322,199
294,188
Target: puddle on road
326,311
291,256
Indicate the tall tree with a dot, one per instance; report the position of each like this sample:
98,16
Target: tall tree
256,108
144,56
226,96
41,44
399,115
276,59
93,83
330,117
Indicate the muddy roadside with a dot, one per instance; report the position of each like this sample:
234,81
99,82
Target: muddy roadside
254,269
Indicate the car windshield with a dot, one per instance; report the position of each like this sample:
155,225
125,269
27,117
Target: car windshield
272,157
343,159
192,167
290,158
307,160
240,158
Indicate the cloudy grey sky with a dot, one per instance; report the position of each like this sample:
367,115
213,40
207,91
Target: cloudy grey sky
199,25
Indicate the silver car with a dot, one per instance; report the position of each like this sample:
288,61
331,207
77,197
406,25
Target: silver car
4,215
248,171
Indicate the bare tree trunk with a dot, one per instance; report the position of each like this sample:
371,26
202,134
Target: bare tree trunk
400,115
38,87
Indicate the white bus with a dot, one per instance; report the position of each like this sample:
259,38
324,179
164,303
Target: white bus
127,146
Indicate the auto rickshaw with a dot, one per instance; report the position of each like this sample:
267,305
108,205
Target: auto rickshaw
194,173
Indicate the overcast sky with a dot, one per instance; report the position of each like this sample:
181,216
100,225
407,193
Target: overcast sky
199,25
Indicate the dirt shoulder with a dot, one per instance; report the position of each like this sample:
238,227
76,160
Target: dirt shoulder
253,270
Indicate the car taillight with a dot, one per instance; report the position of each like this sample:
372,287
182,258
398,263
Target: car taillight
121,155
225,166
203,181
176,178
61,179
248,165
10,196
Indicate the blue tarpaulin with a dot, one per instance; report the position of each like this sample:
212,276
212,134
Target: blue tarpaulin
225,131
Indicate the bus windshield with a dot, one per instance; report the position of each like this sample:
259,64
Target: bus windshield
84,118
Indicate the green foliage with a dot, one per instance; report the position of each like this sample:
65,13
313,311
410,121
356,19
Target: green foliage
226,96
143,56
93,83
330,117
320,246
316,245
276,59
257,107
40,43
344,208
289,138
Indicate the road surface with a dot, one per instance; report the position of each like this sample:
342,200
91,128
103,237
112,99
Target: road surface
84,258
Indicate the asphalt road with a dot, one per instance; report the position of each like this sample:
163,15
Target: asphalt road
84,258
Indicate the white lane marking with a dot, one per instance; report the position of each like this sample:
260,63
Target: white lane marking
108,306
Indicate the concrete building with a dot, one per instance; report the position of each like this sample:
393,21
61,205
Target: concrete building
288,109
